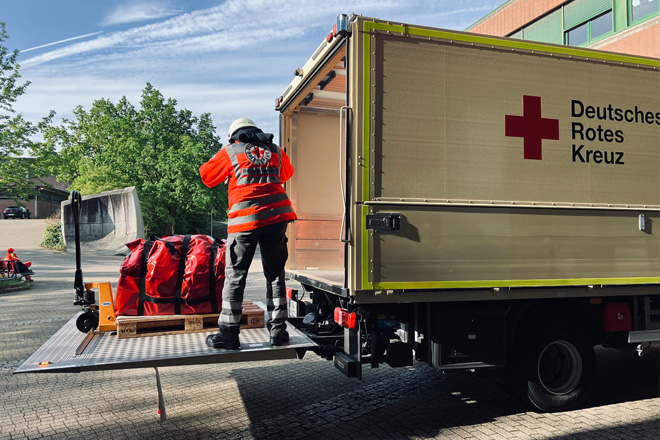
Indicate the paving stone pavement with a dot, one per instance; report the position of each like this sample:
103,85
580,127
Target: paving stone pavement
283,399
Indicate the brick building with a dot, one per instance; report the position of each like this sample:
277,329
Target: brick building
628,26
47,200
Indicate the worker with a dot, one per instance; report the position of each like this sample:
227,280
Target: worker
259,211
19,266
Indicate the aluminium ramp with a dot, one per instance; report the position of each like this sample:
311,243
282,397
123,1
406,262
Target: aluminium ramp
70,351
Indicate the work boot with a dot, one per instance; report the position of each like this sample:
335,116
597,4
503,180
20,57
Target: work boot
279,338
226,338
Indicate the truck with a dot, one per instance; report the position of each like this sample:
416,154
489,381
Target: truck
463,200
474,202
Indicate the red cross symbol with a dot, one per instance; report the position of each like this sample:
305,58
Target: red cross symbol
531,127
257,152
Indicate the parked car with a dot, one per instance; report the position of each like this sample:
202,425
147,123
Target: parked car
16,212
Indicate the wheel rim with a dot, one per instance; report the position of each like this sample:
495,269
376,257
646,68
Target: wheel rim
559,367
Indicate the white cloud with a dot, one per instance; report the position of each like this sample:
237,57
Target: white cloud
133,13
225,27
231,60
220,28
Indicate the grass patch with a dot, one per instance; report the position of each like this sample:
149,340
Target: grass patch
12,284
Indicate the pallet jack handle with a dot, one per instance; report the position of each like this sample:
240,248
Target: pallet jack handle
83,297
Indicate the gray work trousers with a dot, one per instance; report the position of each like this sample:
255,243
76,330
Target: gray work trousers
240,250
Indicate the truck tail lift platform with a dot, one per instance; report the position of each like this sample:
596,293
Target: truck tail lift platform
83,344
70,351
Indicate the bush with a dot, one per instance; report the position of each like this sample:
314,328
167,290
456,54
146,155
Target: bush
53,238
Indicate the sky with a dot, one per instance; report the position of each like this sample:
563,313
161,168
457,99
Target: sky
229,58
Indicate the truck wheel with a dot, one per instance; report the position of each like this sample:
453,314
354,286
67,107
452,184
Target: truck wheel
556,373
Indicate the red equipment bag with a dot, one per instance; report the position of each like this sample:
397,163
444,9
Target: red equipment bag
155,280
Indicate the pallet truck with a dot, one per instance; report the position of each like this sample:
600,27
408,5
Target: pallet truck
93,316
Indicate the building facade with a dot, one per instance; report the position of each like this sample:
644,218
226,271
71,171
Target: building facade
49,194
627,26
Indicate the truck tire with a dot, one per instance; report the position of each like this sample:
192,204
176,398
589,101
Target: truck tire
555,370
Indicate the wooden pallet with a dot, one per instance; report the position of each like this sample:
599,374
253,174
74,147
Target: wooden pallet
138,326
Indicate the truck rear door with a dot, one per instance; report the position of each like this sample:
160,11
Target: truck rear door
313,129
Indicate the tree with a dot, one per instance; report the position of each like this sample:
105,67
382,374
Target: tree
156,148
15,132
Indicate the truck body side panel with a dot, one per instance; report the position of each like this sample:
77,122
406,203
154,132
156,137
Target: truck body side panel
441,115
478,145
514,247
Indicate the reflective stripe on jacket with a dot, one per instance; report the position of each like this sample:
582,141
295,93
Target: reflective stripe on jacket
256,172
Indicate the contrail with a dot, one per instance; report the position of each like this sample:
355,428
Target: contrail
61,41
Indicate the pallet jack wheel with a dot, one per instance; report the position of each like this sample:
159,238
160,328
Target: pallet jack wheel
89,320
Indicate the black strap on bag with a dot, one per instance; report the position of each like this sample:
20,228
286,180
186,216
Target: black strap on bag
146,249
179,278
212,266
188,302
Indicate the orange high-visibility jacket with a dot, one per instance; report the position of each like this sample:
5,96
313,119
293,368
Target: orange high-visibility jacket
256,172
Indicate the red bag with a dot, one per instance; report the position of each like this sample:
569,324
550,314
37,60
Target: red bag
155,280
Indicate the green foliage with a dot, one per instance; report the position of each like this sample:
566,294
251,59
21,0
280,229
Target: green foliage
53,237
156,148
15,132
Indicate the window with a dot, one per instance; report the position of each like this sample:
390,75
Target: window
641,8
579,35
601,25
591,29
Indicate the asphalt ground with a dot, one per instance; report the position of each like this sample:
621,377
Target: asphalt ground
305,398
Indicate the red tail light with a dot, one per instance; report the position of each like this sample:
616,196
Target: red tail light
345,318
291,294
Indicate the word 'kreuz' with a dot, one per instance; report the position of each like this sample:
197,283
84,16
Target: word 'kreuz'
597,156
